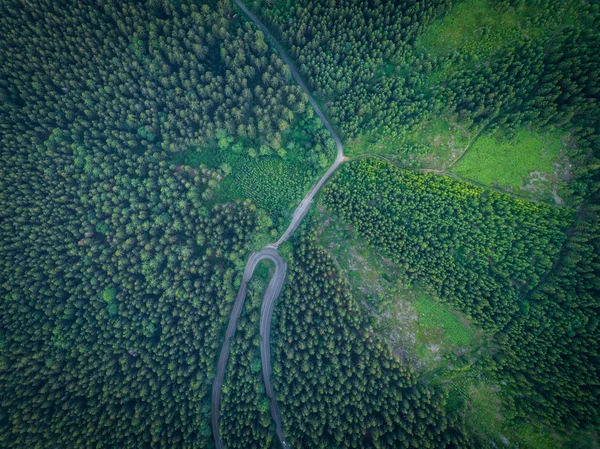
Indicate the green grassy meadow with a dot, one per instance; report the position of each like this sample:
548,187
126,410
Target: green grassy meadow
477,28
435,144
523,164
433,317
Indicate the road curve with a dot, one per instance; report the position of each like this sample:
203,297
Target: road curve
276,283
272,292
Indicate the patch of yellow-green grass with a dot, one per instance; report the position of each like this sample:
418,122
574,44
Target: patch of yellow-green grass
434,317
519,164
372,143
479,27
444,339
475,27
445,139
489,424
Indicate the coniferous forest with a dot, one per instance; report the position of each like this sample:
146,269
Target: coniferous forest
503,262
149,147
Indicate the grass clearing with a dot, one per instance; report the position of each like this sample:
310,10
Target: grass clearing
484,416
372,143
530,164
435,144
433,317
445,139
477,28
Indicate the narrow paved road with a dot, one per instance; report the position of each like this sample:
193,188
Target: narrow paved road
276,283
272,292
305,204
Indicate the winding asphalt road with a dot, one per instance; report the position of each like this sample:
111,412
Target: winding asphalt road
269,252
272,292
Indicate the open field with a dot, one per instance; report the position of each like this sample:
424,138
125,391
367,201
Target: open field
433,317
445,139
531,163
477,28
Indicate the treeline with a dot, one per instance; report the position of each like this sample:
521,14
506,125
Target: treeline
338,385
493,258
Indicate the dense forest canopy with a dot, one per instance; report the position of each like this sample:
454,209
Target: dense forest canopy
148,147
117,266
338,383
